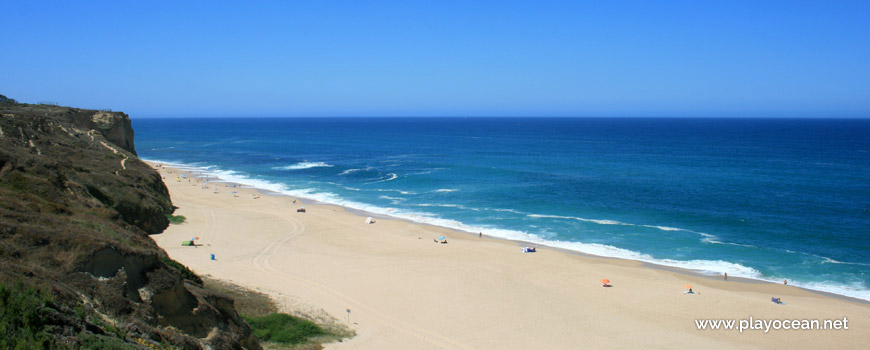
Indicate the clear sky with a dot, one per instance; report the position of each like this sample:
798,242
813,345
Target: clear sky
441,58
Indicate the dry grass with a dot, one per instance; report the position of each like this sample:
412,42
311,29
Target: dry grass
248,302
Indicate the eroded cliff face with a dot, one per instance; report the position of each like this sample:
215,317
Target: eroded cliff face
114,126
76,209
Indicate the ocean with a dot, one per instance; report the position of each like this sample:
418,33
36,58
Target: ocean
767,199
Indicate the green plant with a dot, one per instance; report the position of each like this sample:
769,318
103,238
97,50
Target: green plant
176,219
101,342
247,302
22,311
108,327
80,312
283,328
185,272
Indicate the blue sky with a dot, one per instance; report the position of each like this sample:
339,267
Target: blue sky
441,58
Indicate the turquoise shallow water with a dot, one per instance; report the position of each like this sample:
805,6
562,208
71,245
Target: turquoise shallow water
770,199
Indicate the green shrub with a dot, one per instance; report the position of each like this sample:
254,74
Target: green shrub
80,312
283,328
108,327
176,219
22,311
185,272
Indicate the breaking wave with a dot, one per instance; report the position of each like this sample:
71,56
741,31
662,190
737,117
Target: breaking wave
304,165
390,177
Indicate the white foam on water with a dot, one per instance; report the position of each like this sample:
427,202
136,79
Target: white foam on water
832,261
706,237
505,210
601,222
304,165
664,228
391,177
710,267
391,190
712,240
427,171
446,190
348,171
392,198
854,290
446,205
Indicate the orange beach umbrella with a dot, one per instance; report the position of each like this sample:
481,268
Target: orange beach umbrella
605,281
688,286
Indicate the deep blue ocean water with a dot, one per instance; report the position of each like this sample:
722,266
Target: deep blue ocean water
769,199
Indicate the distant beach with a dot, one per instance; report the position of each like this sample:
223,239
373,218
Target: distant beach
404,290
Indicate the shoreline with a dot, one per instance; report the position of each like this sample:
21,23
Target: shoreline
363,213
407,292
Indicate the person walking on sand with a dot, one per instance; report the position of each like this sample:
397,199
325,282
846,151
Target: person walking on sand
480,234
726,276
785,282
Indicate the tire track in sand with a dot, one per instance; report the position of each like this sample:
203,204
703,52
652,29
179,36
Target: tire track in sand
260,260
262,263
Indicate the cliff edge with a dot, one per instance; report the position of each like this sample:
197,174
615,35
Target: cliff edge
115,127
76,209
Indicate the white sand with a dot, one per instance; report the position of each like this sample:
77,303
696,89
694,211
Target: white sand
407,292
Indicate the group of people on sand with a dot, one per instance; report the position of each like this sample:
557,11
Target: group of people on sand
775,300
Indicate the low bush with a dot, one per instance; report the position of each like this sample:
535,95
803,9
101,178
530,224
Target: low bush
176,219
22,311
285,329
185,272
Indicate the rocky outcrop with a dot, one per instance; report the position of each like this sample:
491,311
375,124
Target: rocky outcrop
76,209
114,126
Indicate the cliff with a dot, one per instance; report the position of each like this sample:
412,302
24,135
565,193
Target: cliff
115,127
76,209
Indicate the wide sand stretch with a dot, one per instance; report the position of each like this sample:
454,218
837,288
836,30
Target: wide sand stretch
405,291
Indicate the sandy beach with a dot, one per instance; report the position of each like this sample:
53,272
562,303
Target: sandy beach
405,291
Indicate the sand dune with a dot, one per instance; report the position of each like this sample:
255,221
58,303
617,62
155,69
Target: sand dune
407,292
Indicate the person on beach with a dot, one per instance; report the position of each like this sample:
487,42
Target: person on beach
480,234
726,276
785,282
